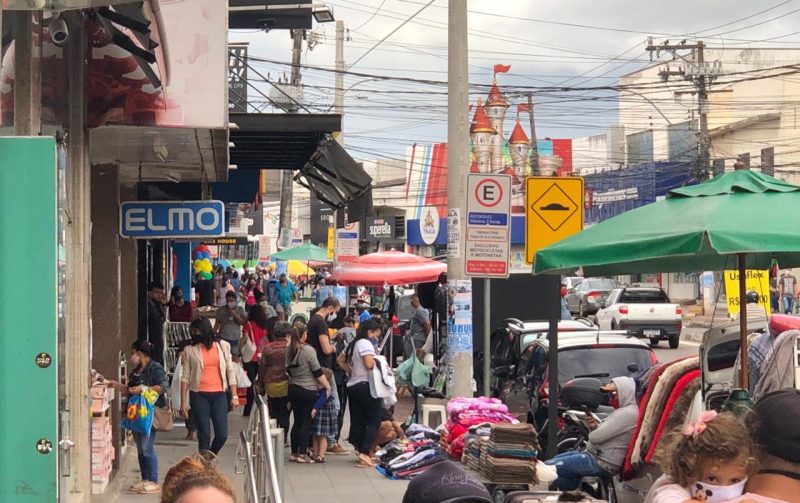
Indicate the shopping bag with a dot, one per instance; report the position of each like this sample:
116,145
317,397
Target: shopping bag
139,414
247,346
242,381
381,379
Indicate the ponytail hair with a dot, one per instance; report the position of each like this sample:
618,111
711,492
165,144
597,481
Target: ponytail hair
297,339
145,347
363,333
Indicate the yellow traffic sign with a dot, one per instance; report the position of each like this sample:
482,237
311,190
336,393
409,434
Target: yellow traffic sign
554,211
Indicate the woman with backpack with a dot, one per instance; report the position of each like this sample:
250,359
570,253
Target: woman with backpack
365,411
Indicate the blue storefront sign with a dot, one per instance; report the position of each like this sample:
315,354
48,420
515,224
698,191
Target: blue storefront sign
171,219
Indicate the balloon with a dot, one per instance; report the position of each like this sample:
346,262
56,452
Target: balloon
206,275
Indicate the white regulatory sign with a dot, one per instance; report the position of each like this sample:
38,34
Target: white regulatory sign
488,221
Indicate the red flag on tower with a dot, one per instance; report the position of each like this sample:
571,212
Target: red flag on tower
523,107
501,68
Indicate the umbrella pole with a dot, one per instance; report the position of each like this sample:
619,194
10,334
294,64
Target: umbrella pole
743,377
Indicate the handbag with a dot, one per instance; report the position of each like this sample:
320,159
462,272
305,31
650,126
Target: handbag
162,418
247,346
381,383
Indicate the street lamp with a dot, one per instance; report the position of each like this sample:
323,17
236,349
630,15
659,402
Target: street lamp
322,13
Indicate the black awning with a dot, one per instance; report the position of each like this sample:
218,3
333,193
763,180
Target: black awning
282,15
278,141
334,176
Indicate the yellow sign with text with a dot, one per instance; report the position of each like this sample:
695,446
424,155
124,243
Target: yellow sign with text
330,242
757,281
554,211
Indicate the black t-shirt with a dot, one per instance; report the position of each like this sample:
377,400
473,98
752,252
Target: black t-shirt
205,290
318,326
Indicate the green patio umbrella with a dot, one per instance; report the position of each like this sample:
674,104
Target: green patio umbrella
304,253
742,219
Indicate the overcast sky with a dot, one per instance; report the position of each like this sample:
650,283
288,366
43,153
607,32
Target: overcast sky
594,44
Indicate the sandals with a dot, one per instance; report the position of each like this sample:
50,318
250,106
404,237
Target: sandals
361,463
304,460
318,459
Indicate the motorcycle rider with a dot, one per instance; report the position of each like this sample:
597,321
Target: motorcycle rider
608,441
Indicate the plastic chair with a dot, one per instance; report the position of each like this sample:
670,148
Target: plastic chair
433,407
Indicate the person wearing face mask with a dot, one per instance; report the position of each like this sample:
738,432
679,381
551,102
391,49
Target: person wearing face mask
365,411
285,293
208,385
565,314
146,373
179,309
230,320
319,339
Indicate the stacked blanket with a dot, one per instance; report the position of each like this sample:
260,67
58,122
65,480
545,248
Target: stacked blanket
667,391
509,456
463,413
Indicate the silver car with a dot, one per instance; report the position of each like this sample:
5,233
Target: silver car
588,296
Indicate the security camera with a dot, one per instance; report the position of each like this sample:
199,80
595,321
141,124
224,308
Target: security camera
59,31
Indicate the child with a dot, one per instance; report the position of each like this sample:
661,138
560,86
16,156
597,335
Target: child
326,420
709,460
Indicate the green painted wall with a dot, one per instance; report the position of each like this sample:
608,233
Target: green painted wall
28,258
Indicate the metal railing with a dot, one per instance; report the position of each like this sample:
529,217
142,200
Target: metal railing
261,452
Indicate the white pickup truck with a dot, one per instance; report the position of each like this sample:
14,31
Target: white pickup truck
642,312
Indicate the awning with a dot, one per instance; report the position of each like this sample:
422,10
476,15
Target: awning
283,15
333,175
280,140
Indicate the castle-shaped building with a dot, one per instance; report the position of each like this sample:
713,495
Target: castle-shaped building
488,139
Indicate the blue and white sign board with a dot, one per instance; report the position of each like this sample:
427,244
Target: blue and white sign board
488,235
171,219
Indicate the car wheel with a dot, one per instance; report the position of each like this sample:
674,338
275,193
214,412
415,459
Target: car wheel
674,341
654,341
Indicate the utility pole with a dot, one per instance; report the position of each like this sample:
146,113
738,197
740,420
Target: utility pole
702,75
287,180
534,144
338,102
459,344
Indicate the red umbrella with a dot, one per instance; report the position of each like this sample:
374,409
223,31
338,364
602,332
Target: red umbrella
388,268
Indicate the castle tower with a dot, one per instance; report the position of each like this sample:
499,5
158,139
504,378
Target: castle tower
496,106
481,131
520,145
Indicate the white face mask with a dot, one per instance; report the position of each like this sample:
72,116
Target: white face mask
718,493
232,304
331,316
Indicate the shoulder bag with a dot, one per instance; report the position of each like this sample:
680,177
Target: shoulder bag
247,344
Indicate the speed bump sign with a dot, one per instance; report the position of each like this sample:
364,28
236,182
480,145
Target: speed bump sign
554,211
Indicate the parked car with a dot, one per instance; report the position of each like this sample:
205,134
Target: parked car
571,281
587,297
511,338
642,312
603,355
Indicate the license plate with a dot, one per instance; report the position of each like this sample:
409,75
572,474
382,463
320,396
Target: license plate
651,332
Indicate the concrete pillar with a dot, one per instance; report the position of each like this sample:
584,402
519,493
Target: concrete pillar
107,339
78,276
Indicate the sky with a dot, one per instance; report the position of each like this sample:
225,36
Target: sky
566,53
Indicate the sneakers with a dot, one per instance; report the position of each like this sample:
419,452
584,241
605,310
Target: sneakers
150,488
338,450
135,488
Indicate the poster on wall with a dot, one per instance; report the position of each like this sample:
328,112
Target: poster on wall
454,233
459,328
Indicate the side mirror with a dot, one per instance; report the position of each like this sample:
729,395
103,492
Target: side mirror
633,368
602,304
503,371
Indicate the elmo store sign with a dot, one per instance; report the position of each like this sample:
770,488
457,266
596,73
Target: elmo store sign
379,229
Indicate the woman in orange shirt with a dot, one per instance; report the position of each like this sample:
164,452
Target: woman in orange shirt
207,376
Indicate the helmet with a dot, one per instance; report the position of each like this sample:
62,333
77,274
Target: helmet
751,297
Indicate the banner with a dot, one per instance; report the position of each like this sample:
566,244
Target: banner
757,281
347,242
